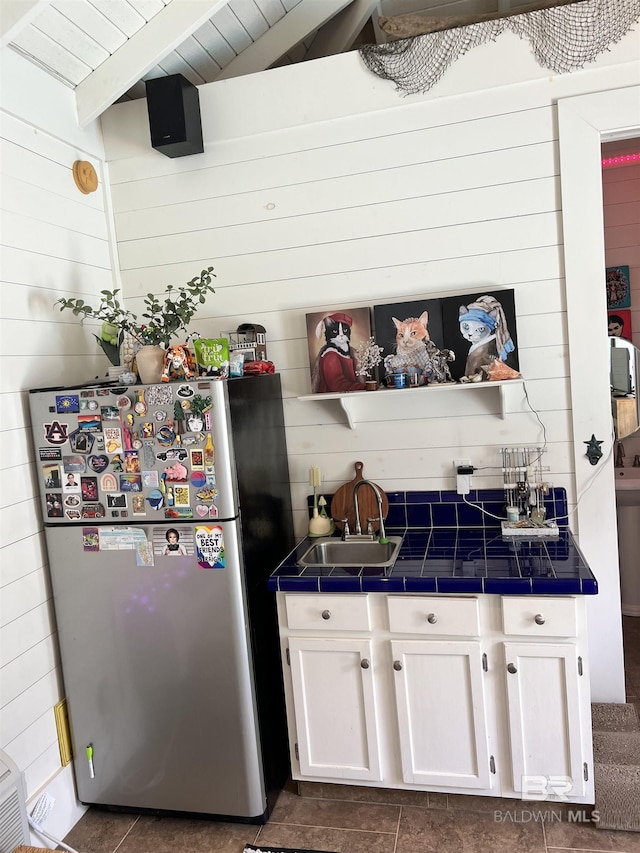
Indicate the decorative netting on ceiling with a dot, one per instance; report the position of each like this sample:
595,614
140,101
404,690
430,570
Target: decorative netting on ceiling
562,38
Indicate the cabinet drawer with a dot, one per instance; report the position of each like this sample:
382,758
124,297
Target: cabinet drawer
328,612
539,617
435,615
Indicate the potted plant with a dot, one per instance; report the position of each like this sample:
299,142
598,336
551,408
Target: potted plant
165,316
369,357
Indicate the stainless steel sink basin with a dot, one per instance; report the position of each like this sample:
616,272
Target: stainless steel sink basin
335,552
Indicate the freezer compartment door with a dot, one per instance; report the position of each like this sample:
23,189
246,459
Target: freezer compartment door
146,452
157,668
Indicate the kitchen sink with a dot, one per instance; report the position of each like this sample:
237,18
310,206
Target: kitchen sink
335,552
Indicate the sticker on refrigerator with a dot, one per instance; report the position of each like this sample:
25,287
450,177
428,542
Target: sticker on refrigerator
67,403
89,488
90,539
112,440
120,538
51,476
173,541
54,504
56,433
137,505
210,547
50,454
90,423
71,483
74,463
131,482
81,442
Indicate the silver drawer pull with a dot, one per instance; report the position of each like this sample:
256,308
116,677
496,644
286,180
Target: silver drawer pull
539,619
364,663
397,665
326,614
432,618
512,668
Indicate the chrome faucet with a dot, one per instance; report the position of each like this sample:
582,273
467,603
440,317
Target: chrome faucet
620,454
369,535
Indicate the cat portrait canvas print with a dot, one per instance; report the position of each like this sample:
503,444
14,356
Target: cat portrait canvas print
333,337
481,327
410,333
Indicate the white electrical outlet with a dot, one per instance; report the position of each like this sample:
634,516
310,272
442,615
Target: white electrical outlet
463,481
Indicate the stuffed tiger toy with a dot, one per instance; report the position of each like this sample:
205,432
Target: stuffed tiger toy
178,360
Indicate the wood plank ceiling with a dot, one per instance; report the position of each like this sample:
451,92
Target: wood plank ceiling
106,49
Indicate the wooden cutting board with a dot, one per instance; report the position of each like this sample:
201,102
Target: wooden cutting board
342,503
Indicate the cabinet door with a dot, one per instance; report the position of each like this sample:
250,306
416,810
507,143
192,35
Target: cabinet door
335,708
442,720
545,720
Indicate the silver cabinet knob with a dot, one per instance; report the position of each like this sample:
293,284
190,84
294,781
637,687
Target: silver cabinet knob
432,618
397,665
364,663
539,619
326,614
512,668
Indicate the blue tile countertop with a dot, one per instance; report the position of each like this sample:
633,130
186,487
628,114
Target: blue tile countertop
443,554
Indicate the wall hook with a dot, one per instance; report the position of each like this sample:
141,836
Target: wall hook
594,454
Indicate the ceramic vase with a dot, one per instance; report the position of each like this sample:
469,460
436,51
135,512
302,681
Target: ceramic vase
150,361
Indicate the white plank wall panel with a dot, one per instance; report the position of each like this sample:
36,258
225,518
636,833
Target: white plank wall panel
55,242
353,215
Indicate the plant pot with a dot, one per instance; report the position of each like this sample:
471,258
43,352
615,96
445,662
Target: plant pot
371,385
150,361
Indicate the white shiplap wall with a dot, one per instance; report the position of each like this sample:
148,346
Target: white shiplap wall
621,196
322,187
55,241
430,199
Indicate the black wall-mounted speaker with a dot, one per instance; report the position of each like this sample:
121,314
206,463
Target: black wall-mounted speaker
173,104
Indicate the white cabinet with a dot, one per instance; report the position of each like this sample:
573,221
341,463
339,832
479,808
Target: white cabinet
468,694
442,718
548,705
545,725
336,718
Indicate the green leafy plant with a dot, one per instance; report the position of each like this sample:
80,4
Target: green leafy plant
165,316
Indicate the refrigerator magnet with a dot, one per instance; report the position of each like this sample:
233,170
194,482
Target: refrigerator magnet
98,463
210,547
81,441
56,433
112,439
90,539
51,476
67,403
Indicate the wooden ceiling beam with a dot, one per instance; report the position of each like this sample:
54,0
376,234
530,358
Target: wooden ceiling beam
408,26
139,54
16,15
304,19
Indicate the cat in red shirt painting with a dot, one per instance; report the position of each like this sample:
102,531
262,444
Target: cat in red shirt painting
335,366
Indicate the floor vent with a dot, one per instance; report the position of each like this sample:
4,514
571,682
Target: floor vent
14,827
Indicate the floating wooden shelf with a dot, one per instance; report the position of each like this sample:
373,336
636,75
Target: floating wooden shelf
351,402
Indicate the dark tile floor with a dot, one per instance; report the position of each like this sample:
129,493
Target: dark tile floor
349,819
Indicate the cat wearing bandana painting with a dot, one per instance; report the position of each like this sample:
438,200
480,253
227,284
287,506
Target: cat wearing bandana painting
335,366
484,325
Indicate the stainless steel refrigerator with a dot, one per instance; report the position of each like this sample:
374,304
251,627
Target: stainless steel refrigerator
165,509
